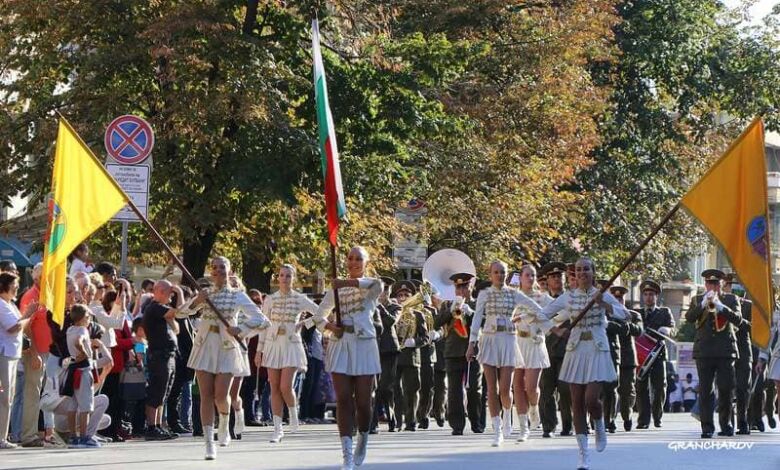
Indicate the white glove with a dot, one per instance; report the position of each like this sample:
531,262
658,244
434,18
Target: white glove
665,330
434,335
706,299
456,304
410,343
718,304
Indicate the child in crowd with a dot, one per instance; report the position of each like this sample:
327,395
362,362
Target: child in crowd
80,260
81,376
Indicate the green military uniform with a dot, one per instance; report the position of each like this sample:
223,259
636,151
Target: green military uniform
410,325
456,341
549,383
656,318
744,363
388,357
715,350
609,390
628,365
439,381
427,362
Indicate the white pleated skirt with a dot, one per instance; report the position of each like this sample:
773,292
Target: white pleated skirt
534,354
350,355
774,369
585,364
282,353
209,356
499,350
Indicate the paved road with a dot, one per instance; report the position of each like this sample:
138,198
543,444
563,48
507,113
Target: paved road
316,447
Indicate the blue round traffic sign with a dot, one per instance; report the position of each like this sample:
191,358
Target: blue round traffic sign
129,139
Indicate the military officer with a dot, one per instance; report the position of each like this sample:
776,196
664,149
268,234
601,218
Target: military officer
716,316
427,355
631,329
744,363
388,357
660,320
455,319
614,330
412,334
556,348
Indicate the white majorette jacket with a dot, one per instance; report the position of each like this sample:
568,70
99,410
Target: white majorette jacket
530,323
283,310
497,306
357,307
773,350
237,308
594,325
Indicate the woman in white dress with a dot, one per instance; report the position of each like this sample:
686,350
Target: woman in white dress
530,339
216,354
280,347
588,363
352,356
498,350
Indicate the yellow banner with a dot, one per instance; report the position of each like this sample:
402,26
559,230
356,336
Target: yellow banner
731,201
84,197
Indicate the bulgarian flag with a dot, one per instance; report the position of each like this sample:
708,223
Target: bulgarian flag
334,193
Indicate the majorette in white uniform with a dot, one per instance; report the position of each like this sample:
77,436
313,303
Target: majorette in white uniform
356,352
587,351
530,333
280,343
497,344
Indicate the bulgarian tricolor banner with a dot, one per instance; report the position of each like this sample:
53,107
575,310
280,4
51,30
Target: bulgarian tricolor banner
334,193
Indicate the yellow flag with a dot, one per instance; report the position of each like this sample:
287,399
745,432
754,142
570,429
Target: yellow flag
84,197
731,201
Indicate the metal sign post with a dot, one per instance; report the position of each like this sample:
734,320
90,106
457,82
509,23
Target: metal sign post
123,268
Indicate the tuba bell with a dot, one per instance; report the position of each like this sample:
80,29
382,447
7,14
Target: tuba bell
441,265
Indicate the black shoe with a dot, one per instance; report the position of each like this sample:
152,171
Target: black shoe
657,423
627,425
547,434
169,433
253,423
743,432
706,435
411,427
567,432
197,433
771,421
440,422
179,429
726,432
423,424
478,430
456,432
643,426
373,431
611,427
760,425
155,434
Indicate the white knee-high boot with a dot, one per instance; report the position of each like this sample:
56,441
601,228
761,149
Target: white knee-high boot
293,410
584,458
238,426
222,433
601,435
498,436
278,433
346,453
211,448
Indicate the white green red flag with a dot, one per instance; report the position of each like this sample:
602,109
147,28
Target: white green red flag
334,193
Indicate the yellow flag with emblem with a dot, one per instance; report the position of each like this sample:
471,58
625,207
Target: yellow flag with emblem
730,200
84,197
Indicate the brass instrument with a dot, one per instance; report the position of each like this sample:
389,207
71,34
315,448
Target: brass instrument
436,272
406,327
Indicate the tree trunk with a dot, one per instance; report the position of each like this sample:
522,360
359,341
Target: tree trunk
197,251
256,273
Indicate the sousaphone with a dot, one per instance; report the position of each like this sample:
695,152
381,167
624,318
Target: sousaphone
441,265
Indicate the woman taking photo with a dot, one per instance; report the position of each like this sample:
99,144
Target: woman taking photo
352,356
216,354
11,325
498,350
588,362
530,339
280,347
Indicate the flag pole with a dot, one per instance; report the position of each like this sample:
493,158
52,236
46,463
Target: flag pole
627,262
334,275
185,272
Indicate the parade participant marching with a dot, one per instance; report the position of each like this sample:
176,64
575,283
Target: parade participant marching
455,318
716,316
530,340
388,355
587,363
352,357
280,347
743,365
660,320
412,334
428,351
216,354
632,328
772,356
614,330
498,350
556,349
